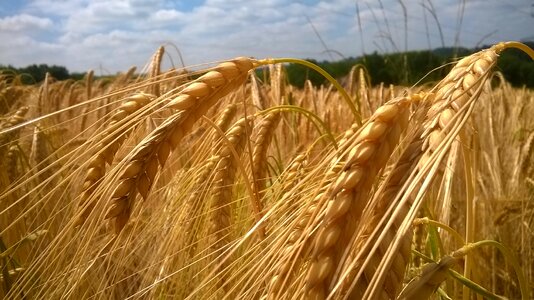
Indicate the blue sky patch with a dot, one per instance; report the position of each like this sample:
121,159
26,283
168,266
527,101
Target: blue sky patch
115,35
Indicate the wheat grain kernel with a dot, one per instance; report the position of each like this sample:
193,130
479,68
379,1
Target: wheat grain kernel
386,113
143,185
132,169
213,79
123,188
228,70
320,270
197,89
446,117
164,151
361,152
469,81
374,130
182,102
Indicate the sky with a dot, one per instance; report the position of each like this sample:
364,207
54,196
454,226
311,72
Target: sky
111,36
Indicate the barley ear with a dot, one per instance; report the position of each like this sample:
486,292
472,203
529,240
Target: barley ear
192,102
221,201
369,151
264,135
112,139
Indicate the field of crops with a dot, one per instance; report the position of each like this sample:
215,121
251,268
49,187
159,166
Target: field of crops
224,182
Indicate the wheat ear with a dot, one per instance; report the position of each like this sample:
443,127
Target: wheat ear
290,251
223,184
89,84
13,120
203,178
291,246
396,178
8,97
9,147
294,173
156,70
264,136
110,143
368,153
452,94
223,122
141,168
14,167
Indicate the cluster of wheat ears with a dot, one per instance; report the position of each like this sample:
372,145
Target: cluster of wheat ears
223,183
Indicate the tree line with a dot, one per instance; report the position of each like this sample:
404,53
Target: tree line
36,73
413,67
405,68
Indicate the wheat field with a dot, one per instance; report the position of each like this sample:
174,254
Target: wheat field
223,182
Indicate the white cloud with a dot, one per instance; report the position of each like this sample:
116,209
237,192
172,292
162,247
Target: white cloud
167,15
24,22
24,50
117,34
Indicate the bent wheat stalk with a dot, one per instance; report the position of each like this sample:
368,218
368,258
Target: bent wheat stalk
432,275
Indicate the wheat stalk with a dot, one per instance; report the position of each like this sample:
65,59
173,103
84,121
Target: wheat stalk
432,275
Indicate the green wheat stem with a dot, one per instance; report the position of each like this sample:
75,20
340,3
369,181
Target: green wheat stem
523,284
341,90
316,120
